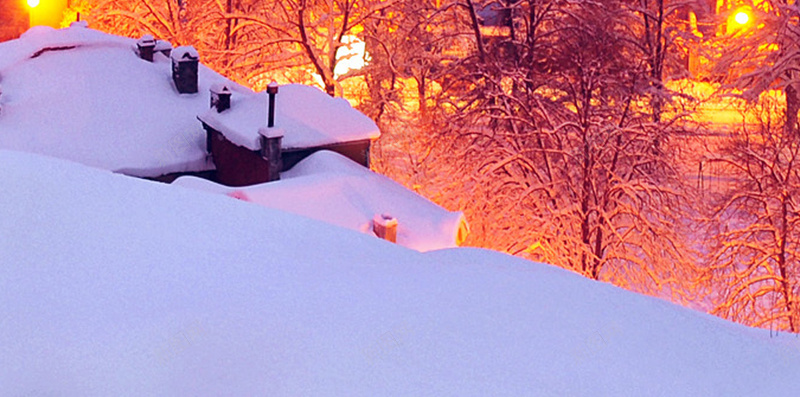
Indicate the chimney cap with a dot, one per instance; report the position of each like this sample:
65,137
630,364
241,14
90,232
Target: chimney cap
385,219
146,40
270,132
220,88
272,88
185,53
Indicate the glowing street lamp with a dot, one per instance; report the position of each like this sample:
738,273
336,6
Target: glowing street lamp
741,17
739,21
46,12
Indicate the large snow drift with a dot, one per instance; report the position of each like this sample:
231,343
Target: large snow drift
91,99
332,188
111,285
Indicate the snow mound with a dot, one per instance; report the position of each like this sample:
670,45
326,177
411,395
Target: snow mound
112,285
332,188
85,96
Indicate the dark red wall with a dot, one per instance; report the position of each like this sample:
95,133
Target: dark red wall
240,166
236,165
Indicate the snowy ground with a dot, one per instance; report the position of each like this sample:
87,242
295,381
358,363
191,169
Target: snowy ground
111,285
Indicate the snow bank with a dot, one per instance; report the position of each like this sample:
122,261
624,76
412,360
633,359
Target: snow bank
309,117
332,188
117,286
90,99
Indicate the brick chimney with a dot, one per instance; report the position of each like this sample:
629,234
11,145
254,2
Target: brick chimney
220,97
145,47
385,227
185,61
271,151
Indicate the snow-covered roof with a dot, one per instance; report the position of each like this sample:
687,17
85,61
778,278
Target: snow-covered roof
332,188
84,95
493,14
308,117
116,286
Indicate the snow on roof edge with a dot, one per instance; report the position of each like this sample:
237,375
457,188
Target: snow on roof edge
309,117
38,39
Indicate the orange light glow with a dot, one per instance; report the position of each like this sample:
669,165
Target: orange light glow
46,12
741,18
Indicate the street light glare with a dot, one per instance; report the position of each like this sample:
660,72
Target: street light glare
33,3
741,17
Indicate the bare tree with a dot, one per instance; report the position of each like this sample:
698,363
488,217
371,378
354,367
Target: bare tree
660,31
756,257
410,47
171,20
315,30
575,171
251,40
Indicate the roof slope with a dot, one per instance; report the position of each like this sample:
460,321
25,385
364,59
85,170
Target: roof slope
332,188
307,117
118,286
92,100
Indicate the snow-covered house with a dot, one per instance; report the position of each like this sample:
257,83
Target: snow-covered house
132,106
91,97
495,19
330,187
253,137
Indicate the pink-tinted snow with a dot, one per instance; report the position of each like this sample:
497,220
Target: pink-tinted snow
332,188
111,285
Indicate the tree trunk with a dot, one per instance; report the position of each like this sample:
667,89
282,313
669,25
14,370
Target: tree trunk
785,285
792,106
422,96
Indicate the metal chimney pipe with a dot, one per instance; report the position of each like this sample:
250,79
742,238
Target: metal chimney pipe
272,90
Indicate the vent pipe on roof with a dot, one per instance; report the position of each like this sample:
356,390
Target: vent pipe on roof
220,97
272,90
385,227
145,47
